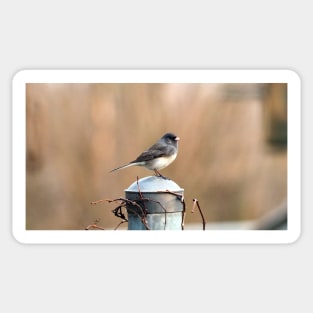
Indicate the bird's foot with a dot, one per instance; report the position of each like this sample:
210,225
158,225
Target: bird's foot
158,174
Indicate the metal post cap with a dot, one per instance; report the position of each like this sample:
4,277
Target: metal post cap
155,204
153,184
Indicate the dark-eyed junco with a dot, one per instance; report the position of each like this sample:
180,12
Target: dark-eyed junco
158,156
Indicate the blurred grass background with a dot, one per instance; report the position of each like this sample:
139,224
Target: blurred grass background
232,153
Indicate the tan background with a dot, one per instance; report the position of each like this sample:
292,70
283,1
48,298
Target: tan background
232,153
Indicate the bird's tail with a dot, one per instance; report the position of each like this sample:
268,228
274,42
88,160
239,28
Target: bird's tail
123,166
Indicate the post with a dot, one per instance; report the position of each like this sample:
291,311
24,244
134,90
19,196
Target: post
155,204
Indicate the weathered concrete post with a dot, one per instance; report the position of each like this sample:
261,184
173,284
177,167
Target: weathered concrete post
155,204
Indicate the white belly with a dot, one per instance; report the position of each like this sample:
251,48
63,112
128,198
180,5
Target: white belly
161,163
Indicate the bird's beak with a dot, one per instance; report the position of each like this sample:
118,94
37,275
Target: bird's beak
177,138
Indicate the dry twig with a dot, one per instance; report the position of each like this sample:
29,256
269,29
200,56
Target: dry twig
94,225
196,203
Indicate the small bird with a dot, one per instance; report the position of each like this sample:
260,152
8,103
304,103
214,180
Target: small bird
158,156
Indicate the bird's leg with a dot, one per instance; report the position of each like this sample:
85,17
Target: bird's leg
158,174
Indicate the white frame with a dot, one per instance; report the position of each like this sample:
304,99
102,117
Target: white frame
155,76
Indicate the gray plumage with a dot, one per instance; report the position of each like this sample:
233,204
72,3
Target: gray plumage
158,156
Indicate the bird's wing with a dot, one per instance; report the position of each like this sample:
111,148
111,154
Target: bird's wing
149,155
158,150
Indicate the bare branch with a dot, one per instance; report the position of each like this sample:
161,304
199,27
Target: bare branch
196,203
94,225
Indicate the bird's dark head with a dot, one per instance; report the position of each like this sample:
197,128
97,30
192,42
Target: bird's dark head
171,138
